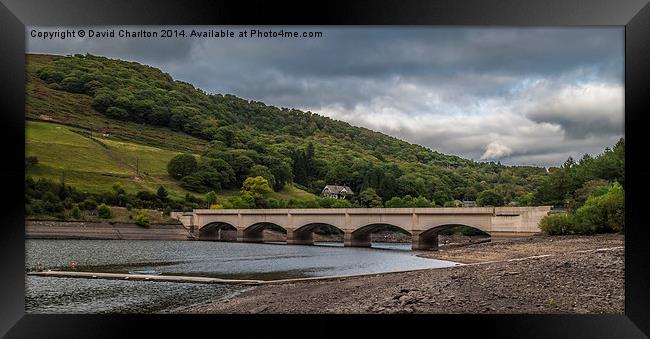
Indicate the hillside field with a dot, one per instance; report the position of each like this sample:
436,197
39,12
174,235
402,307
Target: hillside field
94,162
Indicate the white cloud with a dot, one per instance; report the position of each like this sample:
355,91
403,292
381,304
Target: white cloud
495,150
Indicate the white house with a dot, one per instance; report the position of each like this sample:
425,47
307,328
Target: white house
336,192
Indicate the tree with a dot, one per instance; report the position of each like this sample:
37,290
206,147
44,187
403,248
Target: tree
258,187
423,202
102,100
117,113
194,183
104,211
211,198
181,165
590,188
489,198
263,171
369,198
162,193
394,202
72,84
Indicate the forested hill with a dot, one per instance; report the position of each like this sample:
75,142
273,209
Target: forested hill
236,138
139,93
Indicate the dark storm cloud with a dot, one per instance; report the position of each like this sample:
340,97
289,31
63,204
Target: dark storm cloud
509,94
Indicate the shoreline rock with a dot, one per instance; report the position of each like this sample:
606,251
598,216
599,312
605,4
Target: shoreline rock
576,277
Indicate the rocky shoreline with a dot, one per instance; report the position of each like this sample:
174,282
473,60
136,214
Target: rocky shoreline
569,274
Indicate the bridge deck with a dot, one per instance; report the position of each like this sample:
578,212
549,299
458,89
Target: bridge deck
363,211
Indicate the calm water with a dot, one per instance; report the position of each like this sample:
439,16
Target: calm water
214,259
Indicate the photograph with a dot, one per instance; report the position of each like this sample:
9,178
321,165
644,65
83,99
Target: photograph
324,169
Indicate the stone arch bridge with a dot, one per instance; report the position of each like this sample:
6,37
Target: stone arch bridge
357,224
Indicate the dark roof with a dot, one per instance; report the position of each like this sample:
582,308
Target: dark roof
338,189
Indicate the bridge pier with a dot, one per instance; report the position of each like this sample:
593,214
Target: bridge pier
421,241
300,238
350,239
250,236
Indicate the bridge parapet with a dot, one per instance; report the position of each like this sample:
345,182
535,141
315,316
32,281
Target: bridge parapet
417,210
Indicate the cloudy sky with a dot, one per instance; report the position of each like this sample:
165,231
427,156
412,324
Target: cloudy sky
530,96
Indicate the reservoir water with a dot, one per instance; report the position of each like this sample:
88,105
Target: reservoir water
188,258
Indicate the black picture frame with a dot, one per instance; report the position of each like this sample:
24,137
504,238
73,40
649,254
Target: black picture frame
16,14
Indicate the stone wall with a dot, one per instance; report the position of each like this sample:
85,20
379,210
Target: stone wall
102,230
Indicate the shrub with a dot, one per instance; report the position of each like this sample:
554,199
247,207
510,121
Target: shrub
325,202
104,211
88,205
76,212
558,224
602,213
31,161
142,219
342,203
37,207
29,210
54,207
67,203
50,197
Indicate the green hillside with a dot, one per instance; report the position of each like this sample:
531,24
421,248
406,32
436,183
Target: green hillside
140,104
93,163
135,111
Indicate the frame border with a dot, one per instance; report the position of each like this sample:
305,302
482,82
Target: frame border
633,14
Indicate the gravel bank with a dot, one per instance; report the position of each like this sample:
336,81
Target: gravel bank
578,276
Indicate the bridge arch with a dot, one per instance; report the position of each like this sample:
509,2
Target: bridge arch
311,227
361,237
304,235
427,239
254,232
218,231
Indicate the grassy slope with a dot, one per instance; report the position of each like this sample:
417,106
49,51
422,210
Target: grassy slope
93,166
